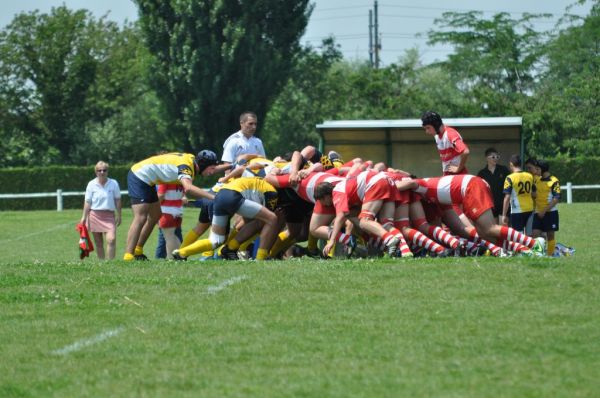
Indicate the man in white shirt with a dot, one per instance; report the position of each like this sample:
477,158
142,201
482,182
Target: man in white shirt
242,142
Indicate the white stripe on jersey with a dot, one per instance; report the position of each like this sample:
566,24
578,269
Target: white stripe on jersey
443,190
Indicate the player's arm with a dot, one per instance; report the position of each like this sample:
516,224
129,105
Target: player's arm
338,223
406,184
190,188
505,205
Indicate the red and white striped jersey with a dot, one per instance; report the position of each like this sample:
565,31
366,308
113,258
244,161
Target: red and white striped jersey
306,188
450,146
351,191
447,190
173,200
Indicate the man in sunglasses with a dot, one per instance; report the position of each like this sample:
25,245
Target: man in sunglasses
495,174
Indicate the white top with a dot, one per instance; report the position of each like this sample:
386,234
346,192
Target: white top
237,144
102,197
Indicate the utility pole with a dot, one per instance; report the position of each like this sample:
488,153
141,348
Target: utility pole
371,38
377,43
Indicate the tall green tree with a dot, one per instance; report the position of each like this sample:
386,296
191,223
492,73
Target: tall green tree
60,73
215,59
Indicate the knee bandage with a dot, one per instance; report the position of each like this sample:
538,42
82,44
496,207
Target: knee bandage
216,240
366,215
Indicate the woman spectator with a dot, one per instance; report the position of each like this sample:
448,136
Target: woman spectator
102,199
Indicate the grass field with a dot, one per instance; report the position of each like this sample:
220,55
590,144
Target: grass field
456,327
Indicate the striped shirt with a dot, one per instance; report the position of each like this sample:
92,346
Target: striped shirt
172,202
450,146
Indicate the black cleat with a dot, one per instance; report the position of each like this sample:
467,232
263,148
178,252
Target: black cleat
177,256
229,254
141,257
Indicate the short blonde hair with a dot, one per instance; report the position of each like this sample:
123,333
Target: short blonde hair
101,165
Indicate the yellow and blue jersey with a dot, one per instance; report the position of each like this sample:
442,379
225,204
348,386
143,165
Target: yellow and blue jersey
165,169
547,188
519,186
254,189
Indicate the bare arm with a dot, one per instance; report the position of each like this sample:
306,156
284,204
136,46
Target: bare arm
86,212
338,223
189,187
505,205
118,217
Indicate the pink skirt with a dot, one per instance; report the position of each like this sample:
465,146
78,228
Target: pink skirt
102,221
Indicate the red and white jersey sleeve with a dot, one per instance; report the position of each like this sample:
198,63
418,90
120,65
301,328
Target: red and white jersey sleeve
450,146
447,190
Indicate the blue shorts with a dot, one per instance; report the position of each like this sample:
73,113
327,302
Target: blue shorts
139,191
518,221
206,210
548,223
227,202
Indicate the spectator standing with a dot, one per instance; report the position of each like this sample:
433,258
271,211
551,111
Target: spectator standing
495,174
242,142
451,147
102,201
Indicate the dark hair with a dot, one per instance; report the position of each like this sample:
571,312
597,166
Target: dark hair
431,118
515,160
532,161
543,165
323,189
316,158
489,151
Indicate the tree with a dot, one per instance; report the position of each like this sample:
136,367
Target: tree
495,60
214,60
565,116
59,73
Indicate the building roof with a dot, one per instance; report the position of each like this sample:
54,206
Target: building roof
414,123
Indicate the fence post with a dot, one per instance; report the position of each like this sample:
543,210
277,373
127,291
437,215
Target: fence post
59,200
569,193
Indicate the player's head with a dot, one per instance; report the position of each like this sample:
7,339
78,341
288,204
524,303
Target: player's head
492,154
432,119
531,165
205,159
323,191
515,160
543,165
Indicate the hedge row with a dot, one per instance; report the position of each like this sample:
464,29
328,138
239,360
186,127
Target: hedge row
67,178
579,171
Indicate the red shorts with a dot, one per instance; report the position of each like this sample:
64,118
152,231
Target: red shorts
478,199
401,197
381,190
169,221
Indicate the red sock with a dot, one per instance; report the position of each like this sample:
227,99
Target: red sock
442,236
507,233
423,241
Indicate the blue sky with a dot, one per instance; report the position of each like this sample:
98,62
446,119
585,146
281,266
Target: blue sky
400,21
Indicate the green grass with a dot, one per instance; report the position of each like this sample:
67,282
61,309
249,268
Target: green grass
429,327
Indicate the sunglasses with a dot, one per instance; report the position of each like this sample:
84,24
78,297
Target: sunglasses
494,157
102,171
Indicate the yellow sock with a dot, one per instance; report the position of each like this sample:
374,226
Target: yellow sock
233,245
208,253
262,254
189,238
198,246
244,246
128,257
312,243
551,247
138,250
282,243
232,234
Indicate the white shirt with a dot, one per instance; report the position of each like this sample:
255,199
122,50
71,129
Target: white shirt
102,197
237,144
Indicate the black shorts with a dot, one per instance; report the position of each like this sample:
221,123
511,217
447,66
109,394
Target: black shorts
548,223
518,221
206,210
295,209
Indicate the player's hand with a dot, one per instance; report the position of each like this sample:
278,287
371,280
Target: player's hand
294,178
452,169
503,220
328,248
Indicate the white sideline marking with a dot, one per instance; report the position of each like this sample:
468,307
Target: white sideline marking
40,232
87,342
224,284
